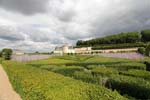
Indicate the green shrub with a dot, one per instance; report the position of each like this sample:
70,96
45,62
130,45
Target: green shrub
135,87
103,71
118,46
36,84
137,73
128,65
147,65
145,35
87,77
141,50
6,53
147,51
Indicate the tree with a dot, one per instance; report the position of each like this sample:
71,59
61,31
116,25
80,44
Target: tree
145,35
6,53
130,37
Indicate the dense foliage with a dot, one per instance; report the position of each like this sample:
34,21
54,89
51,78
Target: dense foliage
118,46
145,35
36,84
137,73
130,39
128,77
141,50
136,87
6,53
147,51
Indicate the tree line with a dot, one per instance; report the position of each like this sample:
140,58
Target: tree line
129,37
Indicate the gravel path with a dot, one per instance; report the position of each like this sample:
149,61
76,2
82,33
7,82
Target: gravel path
6,90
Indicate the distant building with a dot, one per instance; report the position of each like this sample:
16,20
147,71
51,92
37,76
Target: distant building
64,50
71,50
18,52
88,50
83,50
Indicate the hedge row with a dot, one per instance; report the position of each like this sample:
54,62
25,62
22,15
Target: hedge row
36,84
147,65
75,72
127,66
119,66
135,87
103,71
137,73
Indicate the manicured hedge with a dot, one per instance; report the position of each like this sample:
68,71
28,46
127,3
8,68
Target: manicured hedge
141,50
75,72
135,87
137,73
147,65
127,66
65,70
36,84
103,71
118,66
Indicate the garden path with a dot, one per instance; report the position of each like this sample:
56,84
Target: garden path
6,89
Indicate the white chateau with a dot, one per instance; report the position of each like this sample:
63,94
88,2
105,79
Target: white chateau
18,52
64,50
70,49
88,50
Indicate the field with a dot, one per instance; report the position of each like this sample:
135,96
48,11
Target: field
77,77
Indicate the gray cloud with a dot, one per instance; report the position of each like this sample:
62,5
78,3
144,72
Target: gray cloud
67,21
10,34
25,6
131,16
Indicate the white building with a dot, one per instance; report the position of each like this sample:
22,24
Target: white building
83,50
64,50
18,52
88,50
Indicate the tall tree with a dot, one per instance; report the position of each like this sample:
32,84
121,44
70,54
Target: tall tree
6,53
145,35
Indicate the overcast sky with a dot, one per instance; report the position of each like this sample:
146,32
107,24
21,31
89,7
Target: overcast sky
40,25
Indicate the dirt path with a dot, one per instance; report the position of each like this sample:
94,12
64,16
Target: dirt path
6,90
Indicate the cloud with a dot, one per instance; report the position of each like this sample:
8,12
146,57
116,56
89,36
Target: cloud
10,34
64,10
27,7
66,21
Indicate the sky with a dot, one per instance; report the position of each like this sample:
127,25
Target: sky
40,25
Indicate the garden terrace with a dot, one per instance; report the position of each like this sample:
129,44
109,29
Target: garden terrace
34,84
